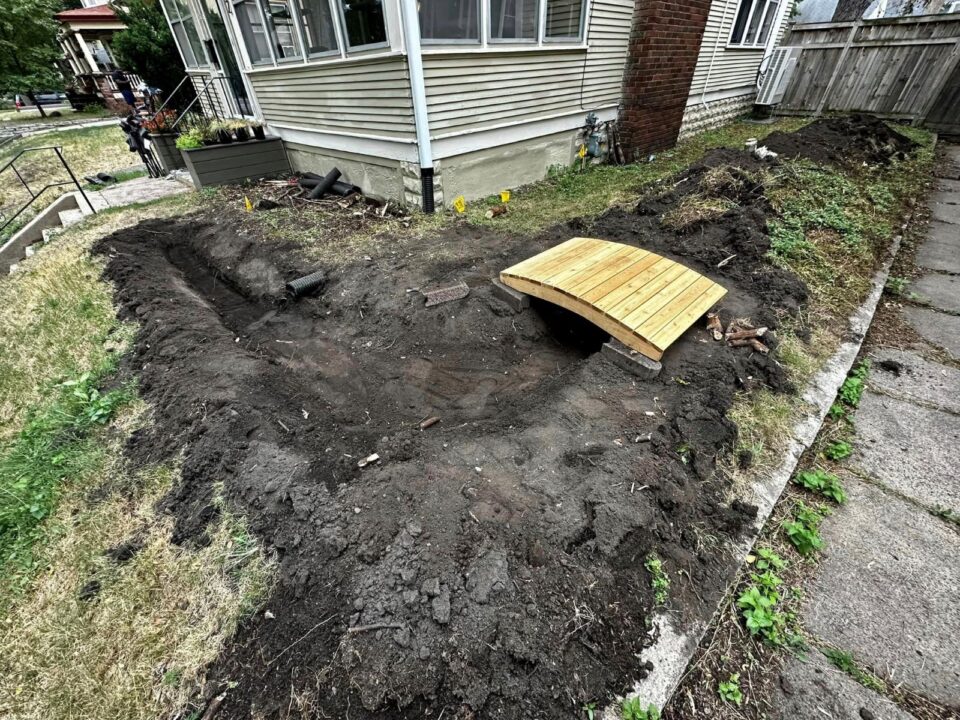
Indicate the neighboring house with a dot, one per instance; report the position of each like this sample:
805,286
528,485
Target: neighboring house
826,11
472,96
84,36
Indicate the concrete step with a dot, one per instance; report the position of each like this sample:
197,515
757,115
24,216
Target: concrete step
14,268
30,250
70,217
49,234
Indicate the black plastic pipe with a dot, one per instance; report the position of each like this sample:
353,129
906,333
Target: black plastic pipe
324,186
306,284
338,188
426,189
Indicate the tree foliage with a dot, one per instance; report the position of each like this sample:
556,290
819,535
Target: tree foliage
146,47
28,46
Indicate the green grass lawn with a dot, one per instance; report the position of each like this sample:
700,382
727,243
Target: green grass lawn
86,150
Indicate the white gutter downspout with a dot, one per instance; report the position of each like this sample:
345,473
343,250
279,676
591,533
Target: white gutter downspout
410,20
713,57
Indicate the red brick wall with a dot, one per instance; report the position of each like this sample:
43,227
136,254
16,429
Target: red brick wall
664,45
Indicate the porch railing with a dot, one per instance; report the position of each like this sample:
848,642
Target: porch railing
11,166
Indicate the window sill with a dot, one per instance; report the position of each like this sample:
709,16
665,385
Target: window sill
500,49
326,61
746,47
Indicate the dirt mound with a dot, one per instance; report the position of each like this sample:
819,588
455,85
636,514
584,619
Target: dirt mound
848,140
491,564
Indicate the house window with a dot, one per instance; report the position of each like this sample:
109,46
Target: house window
363,23
515,20
450,20
754,22
253,31
318,29
185,30
564,20
283,33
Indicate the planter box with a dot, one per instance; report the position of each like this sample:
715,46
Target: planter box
165,148
236,162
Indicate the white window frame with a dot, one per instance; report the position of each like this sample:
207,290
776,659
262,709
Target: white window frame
338,38
270,28
579,38
481,32
757,44
172,12
270,61
346,48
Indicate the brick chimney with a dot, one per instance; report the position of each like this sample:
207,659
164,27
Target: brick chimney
661,57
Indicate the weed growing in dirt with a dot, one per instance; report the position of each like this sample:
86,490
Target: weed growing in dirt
822,482
767,559
659,580
632,709
591,710
838,450
844,661
55,447
758,608
897,286
852,389
730,691
803,531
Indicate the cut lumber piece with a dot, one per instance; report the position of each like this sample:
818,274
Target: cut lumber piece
642,299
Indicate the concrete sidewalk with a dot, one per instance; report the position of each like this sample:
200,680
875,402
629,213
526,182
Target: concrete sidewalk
887,588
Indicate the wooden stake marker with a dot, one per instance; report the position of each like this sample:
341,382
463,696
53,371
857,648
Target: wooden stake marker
642,299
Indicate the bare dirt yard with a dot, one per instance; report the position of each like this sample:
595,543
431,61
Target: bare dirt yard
492,564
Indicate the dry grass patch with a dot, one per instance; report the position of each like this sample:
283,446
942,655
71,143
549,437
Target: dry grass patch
57,319
695,209
95,638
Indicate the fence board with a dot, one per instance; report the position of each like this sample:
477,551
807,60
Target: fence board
892,68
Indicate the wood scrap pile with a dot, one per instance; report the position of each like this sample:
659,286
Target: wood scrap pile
301,192
738,333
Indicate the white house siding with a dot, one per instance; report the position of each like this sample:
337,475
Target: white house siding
726,88
477,90
361,98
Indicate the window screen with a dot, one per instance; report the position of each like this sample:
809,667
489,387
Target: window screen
283,34
318,28
253,32
363,22
564,18
450,19
513,19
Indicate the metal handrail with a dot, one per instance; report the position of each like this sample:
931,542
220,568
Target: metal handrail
170,96
203,90
34,195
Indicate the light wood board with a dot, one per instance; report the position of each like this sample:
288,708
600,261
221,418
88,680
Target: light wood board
644,300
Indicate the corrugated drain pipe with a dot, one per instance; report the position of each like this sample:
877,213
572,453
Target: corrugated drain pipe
411,38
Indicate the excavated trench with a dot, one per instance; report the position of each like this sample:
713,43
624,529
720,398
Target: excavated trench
491,565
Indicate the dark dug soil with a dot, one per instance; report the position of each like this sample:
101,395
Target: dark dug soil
848,140
489,566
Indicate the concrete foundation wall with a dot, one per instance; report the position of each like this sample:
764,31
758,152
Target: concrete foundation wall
378,177
485,172
706,116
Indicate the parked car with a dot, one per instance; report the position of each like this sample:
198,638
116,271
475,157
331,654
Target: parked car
43,97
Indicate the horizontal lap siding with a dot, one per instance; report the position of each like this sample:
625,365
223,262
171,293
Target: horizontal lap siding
732,68
475,91
369,98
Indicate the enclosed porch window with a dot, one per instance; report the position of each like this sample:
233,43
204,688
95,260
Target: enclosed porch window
185,31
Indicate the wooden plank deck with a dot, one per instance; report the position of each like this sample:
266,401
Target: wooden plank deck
644,300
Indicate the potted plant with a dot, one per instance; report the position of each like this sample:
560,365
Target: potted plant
190,140
257,128
222,131
163,136
240,130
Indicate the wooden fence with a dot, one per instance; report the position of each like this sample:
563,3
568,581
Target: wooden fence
902,68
